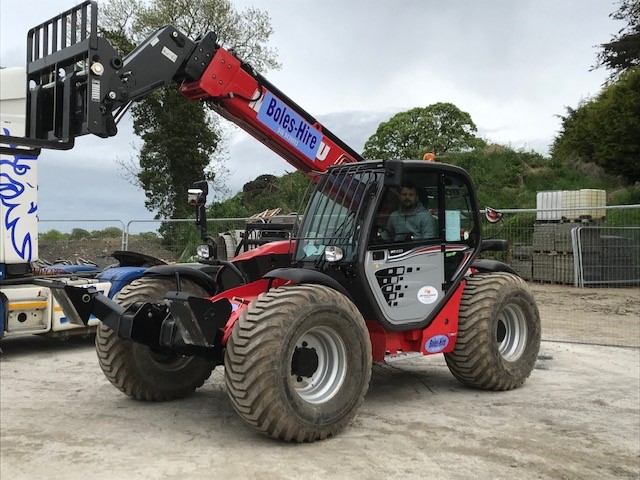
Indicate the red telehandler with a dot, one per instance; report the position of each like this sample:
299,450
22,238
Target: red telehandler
296,323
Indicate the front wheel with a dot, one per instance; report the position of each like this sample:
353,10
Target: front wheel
498,333
298,363
143,372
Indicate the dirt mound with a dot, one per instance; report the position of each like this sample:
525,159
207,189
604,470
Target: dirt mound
98,250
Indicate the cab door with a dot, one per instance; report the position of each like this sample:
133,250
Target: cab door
410,268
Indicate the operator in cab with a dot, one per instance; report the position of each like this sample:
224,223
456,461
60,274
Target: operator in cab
411,221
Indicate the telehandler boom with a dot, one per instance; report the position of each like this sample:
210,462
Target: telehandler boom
385,265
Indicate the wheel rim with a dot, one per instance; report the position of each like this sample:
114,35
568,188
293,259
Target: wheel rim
511,334
168,361
318,365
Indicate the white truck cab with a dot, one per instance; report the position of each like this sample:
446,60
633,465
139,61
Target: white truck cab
25,308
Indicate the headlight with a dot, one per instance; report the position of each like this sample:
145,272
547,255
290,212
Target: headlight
203,251
333,254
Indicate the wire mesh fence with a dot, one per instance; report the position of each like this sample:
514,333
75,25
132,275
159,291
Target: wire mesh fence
80,241
555,250
571,248
176,240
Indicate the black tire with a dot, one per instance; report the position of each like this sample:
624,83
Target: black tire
498,333
140,371
272,379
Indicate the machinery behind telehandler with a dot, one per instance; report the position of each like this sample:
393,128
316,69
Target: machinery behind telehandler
296,323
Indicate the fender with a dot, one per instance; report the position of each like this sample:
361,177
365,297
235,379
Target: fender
127,258
118,277
304,275
487,265
191,272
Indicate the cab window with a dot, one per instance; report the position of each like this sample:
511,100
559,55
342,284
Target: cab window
409,213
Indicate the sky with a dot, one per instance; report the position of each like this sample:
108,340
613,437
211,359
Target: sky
514,66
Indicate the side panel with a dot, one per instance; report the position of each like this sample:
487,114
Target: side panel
407,287
32,309
29,309
18,177
439,337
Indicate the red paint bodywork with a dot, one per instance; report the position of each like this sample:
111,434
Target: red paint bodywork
280,247
237,94
231,88
383,342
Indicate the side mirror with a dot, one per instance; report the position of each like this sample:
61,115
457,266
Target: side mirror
197,197
393,173
493,216
197,194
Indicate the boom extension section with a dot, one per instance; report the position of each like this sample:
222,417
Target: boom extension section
79,84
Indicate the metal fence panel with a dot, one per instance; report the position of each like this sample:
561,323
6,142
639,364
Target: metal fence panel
175,240
560,249
573,250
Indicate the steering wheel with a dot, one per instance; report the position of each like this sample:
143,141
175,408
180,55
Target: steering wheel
379,233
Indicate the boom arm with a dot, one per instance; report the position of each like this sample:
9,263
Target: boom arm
79,85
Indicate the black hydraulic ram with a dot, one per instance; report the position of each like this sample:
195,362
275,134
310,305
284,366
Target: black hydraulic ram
182,323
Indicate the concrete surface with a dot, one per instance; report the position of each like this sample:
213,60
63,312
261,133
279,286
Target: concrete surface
578,417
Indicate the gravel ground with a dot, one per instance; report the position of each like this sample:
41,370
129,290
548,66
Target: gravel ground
577,417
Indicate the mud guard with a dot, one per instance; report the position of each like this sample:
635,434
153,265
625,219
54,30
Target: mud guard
185,271
127,258
487,265
304,275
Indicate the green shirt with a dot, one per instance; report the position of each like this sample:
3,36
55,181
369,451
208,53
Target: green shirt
418,223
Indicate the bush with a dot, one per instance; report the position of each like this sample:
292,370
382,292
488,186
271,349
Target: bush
149,237
109,232
53,236
79,234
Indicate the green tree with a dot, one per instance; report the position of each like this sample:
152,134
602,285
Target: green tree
266,192
606,129
622,53
254,189
439,128
174,153
181,139
109,232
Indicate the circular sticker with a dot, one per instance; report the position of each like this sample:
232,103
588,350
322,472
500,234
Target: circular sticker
436,344
427,295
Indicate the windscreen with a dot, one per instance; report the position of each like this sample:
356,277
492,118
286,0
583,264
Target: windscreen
335,211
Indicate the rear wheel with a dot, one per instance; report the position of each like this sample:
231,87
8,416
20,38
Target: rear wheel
143,372
298,363
498,333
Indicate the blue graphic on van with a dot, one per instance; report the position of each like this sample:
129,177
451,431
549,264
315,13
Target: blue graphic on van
436,344
276,115
12,188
